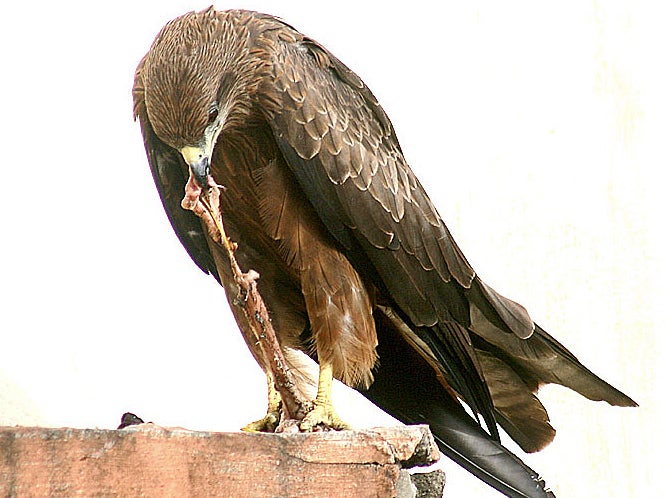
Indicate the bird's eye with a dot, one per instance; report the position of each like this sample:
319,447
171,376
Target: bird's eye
213,112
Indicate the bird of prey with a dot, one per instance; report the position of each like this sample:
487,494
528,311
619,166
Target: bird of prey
356,266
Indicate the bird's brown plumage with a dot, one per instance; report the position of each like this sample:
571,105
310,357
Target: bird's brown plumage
323,205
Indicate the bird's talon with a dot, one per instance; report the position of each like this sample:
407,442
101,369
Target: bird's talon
322,417
267,424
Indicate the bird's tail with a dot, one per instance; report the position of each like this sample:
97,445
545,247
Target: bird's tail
407,388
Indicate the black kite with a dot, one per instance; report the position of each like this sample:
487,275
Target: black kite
355,263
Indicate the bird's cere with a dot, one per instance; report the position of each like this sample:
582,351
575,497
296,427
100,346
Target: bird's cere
192,154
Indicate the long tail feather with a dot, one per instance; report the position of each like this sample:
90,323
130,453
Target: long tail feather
407,388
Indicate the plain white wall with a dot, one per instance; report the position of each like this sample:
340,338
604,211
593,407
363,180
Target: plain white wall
537,129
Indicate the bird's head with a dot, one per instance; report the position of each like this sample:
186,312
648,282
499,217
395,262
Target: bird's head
192,82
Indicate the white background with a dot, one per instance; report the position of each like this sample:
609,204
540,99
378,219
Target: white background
536,127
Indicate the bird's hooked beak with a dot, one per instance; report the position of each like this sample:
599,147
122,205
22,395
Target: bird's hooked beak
199,157
198,160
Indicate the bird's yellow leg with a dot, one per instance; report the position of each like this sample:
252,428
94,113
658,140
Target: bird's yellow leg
323,413
270,422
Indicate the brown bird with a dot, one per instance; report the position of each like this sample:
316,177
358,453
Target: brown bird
356,266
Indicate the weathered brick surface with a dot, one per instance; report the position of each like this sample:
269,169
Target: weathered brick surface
148,460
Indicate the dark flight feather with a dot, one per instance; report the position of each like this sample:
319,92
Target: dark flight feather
408,387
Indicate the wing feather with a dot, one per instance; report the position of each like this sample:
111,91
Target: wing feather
363,190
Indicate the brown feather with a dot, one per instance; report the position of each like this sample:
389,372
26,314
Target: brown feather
336,300
520,412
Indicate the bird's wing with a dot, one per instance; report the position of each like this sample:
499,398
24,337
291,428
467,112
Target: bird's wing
166,165
342,149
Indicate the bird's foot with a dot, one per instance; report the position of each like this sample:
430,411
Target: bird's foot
322,417
268,423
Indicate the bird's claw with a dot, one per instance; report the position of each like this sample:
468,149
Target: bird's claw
322,417
267,424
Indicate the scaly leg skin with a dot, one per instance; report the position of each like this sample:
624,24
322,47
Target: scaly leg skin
270,422
323,414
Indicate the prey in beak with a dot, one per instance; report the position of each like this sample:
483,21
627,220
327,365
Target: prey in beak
199,175
198,159
201,191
